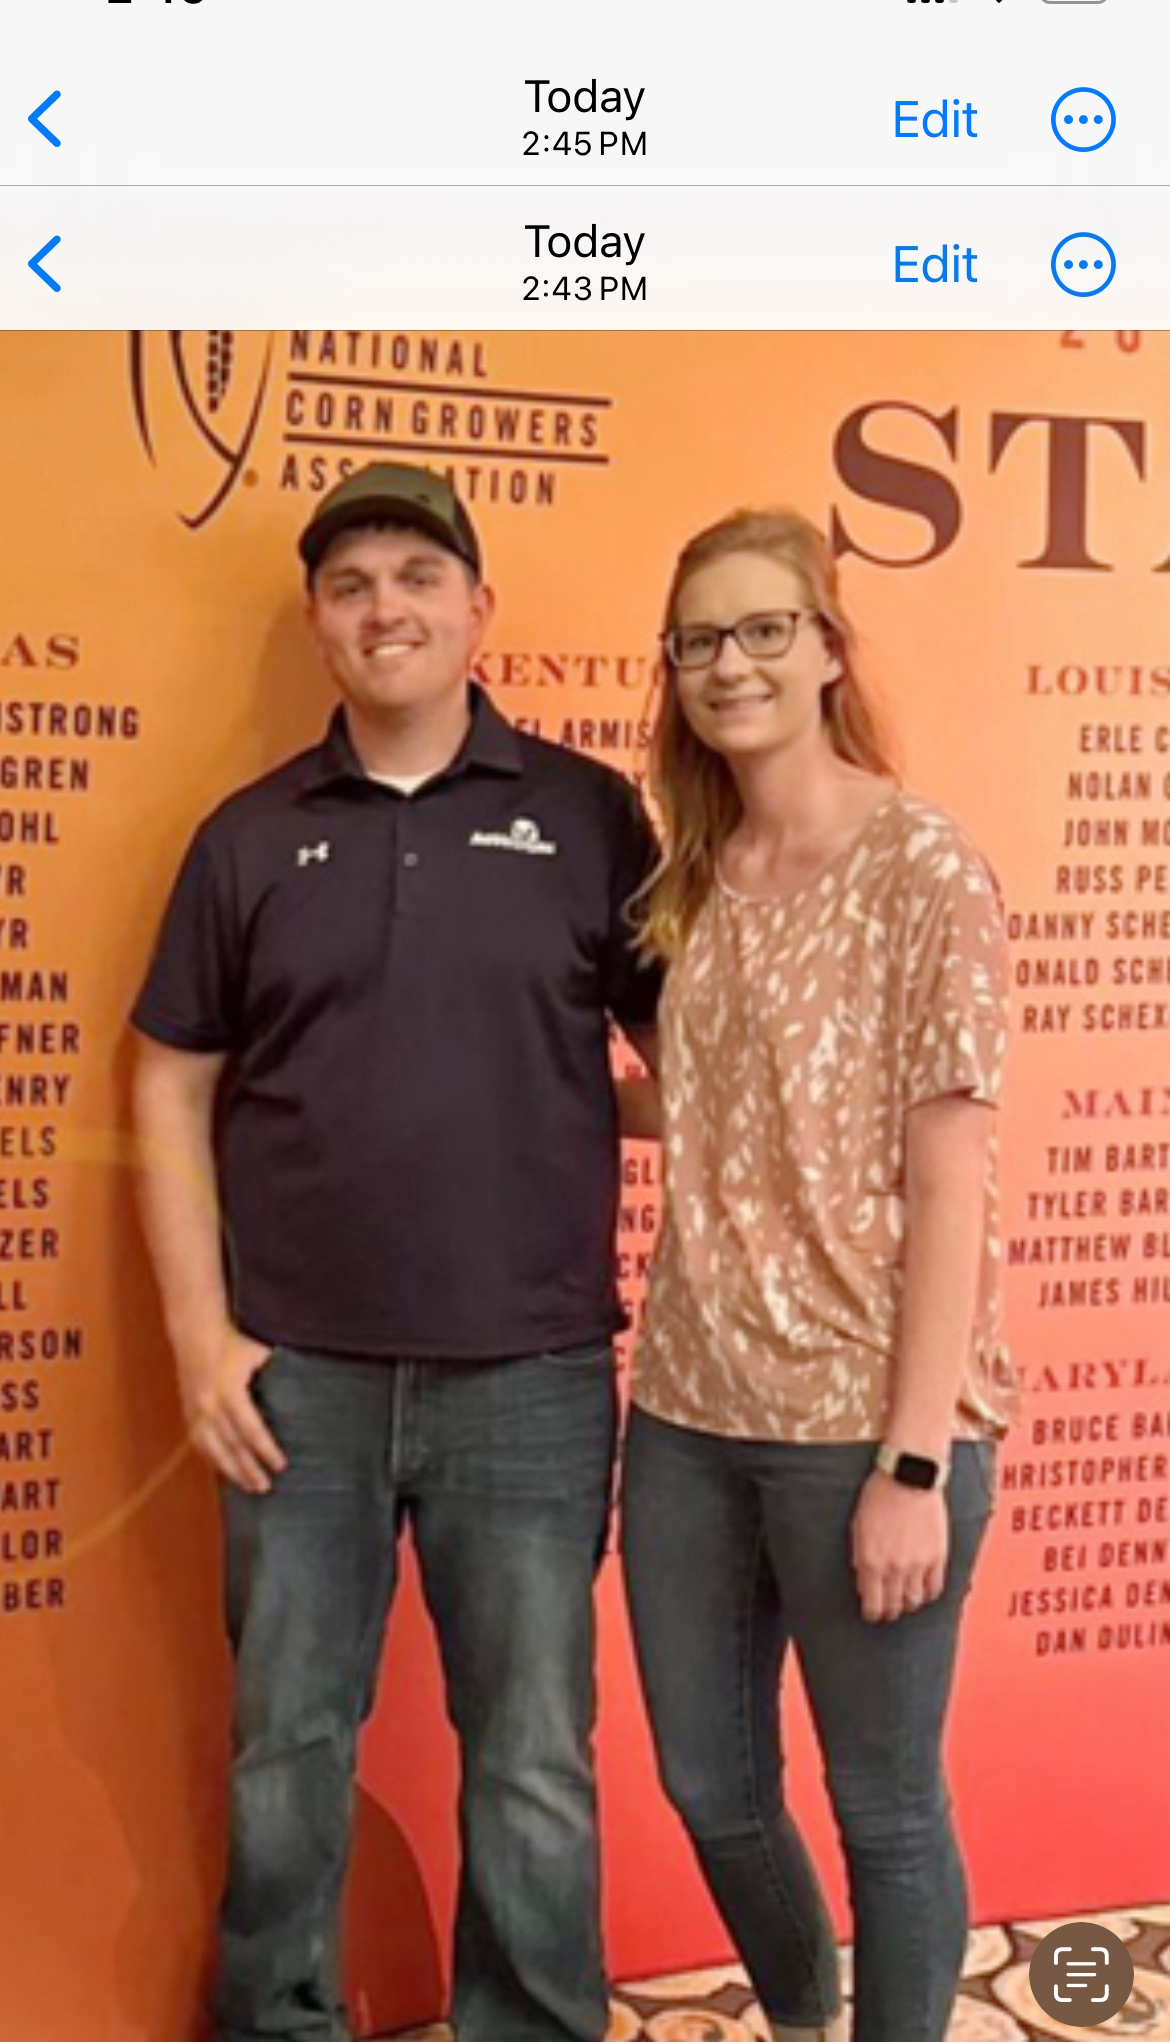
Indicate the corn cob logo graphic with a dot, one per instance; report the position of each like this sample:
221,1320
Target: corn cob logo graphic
220,349
198,400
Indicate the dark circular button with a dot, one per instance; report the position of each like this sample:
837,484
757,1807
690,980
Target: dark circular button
1082,1974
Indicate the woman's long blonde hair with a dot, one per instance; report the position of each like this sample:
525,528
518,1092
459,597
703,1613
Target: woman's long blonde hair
693,785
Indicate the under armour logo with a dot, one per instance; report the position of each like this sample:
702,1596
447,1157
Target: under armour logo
310,854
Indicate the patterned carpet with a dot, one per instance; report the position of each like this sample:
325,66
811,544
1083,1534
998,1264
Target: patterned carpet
995,2004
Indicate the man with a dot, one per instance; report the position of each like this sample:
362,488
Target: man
376,1023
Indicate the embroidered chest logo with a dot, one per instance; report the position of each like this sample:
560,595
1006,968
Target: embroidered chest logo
314,854
524,836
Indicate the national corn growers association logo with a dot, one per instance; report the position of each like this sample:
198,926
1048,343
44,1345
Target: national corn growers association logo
330,401
198,400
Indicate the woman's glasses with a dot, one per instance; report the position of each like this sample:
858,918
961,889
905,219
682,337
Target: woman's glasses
766,636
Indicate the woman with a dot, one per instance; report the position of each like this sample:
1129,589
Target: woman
819,1379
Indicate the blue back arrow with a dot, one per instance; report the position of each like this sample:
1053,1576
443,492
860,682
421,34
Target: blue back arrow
38,258
36,121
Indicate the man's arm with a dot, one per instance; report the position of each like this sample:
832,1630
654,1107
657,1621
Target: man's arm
639,1101
174,1106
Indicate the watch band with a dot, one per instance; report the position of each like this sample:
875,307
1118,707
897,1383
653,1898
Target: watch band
913,1471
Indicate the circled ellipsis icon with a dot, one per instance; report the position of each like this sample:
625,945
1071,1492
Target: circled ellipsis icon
1083,264
1084,119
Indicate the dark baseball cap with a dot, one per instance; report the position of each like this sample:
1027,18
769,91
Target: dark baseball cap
399,493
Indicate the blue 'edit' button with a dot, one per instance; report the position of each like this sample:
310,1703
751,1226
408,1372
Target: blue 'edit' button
949,264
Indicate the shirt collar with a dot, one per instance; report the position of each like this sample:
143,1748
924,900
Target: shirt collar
490,746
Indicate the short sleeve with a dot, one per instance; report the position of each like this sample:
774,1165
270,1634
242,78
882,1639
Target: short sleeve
632,983
190,998
957,980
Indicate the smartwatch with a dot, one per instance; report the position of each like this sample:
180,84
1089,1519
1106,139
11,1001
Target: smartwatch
914,1471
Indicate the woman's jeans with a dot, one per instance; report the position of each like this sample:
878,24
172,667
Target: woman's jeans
503,1470
733,1550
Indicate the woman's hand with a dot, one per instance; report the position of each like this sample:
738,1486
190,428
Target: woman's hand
900,1543
639,1109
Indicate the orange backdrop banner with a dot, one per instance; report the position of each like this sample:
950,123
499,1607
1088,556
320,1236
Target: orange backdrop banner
1002,508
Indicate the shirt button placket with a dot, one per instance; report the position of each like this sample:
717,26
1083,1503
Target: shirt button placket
410,858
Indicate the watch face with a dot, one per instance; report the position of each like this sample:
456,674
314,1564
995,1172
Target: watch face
916,1471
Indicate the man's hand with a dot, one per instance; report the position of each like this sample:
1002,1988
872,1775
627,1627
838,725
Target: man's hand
224,1424
174,1109
900,1542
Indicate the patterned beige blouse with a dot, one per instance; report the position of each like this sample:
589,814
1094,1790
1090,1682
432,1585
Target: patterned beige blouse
795,1035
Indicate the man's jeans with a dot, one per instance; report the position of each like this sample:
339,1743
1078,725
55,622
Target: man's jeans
503,1470
734,1549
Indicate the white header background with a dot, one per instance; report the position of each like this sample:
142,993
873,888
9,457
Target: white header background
165,107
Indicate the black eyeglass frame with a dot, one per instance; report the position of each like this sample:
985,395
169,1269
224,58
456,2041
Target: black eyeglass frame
669,639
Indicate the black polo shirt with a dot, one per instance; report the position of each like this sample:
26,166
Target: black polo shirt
417,1136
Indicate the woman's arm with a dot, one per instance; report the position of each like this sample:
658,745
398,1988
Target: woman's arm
946,1165
639,1102
900,1535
